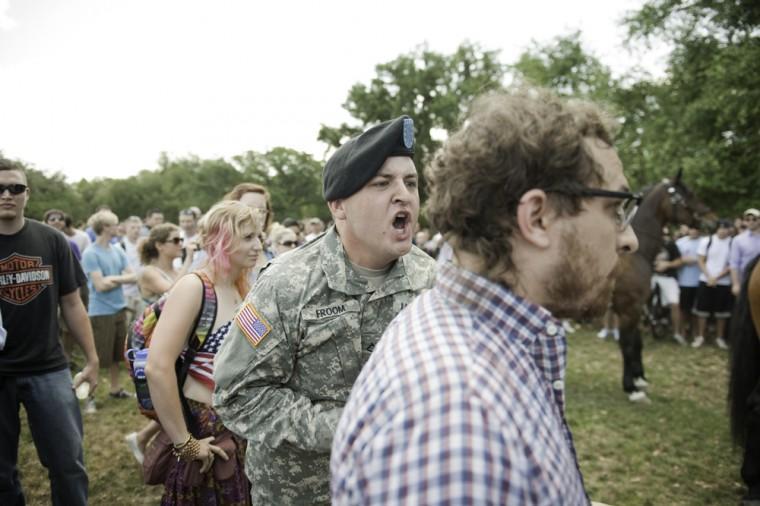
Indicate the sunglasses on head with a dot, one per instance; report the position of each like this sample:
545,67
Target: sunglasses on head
14,189
176,240
289,244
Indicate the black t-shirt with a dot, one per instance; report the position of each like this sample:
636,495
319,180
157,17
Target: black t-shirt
671,253
36,269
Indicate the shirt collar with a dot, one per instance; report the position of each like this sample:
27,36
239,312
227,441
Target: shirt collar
498,305
342,278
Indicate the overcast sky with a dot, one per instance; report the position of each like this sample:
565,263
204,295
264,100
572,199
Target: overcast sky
98,88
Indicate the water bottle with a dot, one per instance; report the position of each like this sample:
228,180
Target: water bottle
138,365
83,390
139,358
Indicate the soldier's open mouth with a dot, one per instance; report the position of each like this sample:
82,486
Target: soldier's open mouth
401,220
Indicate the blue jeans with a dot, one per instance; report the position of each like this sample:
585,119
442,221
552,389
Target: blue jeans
56,426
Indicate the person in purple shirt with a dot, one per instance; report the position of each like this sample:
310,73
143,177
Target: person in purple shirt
745,247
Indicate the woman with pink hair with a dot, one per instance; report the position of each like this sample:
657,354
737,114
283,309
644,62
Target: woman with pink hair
230,236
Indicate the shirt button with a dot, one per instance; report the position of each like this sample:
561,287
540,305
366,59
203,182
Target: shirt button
551,329
558,385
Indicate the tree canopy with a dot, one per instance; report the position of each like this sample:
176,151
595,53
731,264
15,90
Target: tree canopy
703,116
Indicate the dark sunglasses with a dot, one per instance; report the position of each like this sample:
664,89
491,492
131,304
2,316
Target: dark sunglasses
14,189
54,217
629,204
176,240
289,244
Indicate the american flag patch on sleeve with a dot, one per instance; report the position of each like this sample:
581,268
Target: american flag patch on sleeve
252,325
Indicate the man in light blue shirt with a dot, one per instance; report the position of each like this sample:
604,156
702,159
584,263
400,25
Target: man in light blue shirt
107,269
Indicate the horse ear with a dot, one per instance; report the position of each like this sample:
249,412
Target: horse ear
678,175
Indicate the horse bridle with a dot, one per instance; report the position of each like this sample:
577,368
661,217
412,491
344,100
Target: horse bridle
676,199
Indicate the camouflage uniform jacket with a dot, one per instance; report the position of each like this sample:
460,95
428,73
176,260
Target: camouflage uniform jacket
285,394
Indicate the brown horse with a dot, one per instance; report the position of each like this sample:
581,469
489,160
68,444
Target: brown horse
665,202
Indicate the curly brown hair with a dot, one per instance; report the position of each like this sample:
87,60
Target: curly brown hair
510,143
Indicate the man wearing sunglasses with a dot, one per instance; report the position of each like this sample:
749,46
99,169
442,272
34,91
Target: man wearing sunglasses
38,273
316,313
463,399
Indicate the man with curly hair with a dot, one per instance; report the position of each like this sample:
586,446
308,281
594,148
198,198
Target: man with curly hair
463,399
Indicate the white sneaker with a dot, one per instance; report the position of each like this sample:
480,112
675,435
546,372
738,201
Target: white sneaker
640,382
698,341
721,343
568,326
89,407
616,334
638,397
602,334
131,440
679,339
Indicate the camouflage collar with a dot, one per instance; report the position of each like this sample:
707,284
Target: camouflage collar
342,278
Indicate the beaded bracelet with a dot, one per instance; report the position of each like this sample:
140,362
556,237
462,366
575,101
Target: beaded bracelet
187,451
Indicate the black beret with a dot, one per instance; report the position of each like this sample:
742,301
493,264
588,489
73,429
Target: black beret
358,160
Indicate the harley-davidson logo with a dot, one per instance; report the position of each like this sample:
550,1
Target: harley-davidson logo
22,278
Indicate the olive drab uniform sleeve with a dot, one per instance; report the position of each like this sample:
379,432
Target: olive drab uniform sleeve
250,394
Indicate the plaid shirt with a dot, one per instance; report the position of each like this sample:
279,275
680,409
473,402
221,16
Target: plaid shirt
462,402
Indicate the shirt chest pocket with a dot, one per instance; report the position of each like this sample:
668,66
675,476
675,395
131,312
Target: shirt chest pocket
330,347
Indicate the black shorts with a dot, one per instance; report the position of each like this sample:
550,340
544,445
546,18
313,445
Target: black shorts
714,300
687,298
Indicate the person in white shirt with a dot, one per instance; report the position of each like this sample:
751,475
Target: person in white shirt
130,243
714,291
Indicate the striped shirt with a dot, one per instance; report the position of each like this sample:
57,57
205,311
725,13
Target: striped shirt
462,402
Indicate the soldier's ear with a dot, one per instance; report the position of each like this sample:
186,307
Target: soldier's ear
337,209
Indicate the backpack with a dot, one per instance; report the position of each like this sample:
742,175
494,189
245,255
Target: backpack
137,344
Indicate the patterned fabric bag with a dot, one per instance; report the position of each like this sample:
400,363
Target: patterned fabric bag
137,344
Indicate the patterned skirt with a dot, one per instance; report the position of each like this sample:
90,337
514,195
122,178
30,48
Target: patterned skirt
233,491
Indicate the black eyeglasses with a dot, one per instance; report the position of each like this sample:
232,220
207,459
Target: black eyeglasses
176,240
289,244
625,211
14,189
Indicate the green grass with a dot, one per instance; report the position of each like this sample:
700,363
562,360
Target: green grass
674,451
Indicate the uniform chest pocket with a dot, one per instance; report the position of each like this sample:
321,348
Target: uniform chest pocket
330,347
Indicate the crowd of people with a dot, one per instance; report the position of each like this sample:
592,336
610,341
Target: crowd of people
342,363
697,276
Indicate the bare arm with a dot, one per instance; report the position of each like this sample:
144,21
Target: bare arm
151,281
126,276
169,339
102,283
736,283
702,265
76,319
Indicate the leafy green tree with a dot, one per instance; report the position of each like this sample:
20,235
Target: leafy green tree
705,115
433,88
293,178
564,66
52,192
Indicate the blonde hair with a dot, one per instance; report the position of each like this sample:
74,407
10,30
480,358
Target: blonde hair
102,219
219,230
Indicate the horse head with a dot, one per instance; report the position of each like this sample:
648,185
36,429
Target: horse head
683,207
